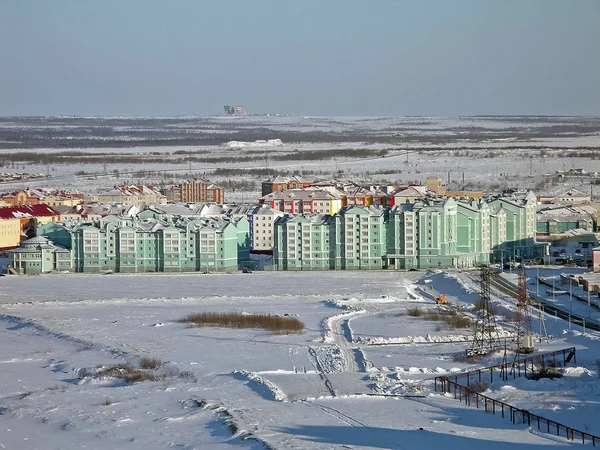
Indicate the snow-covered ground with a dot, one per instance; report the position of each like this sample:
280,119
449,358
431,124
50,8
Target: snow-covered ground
517,154
224,388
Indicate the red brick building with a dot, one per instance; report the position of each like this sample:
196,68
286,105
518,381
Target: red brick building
196,191
283,183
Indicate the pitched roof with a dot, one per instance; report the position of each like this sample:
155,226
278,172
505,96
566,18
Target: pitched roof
41,210
300,194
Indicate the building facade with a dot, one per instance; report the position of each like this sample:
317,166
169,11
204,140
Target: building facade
436,232
304,201
195,191
29,218
129,245
133,245
262,227
283,183
38,255
10,233
132,195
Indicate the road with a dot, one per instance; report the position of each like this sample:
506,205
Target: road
509,289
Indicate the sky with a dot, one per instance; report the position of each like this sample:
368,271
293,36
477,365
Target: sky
336,57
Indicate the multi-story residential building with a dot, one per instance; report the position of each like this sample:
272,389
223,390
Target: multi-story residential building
304,201
130,244
63,199
436,232
262,226
520,226
156,246
354,238
408,194
23,198
402,243
195,191
125,244
134,195
302,242
360,238
434,184
10,233
365,196
30,217
283,183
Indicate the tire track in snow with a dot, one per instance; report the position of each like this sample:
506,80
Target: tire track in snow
340,335
347,419
317,365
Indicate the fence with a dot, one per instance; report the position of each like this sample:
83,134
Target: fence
518,368
516,415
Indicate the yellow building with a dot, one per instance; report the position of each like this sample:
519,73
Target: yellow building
55,200
10,233
27,219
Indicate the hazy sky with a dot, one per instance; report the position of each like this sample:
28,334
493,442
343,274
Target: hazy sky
322,57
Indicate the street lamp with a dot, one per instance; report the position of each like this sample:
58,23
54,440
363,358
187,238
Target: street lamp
570,300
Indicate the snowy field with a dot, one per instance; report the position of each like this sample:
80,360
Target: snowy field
224,389
492,153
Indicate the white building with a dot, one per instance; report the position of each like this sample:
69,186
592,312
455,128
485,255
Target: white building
263,220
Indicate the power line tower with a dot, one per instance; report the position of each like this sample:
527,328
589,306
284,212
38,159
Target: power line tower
523,333
485,339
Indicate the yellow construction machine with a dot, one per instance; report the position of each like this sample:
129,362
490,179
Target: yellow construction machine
440,299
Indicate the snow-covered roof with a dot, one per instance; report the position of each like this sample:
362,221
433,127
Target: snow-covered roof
301,194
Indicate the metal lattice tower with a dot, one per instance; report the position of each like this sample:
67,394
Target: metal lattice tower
523,334
485,339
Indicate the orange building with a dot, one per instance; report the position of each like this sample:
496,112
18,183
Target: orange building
21,198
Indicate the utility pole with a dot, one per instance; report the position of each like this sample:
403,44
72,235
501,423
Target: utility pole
543,331
523,335
485,339
570,295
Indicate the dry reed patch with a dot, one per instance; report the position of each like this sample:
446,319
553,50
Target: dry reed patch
450,317
150,363
128,374
275,324
414,312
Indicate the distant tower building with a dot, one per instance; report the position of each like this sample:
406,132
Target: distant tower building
434,184
239,111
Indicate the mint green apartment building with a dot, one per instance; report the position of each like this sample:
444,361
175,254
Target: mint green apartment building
133,245
433,232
